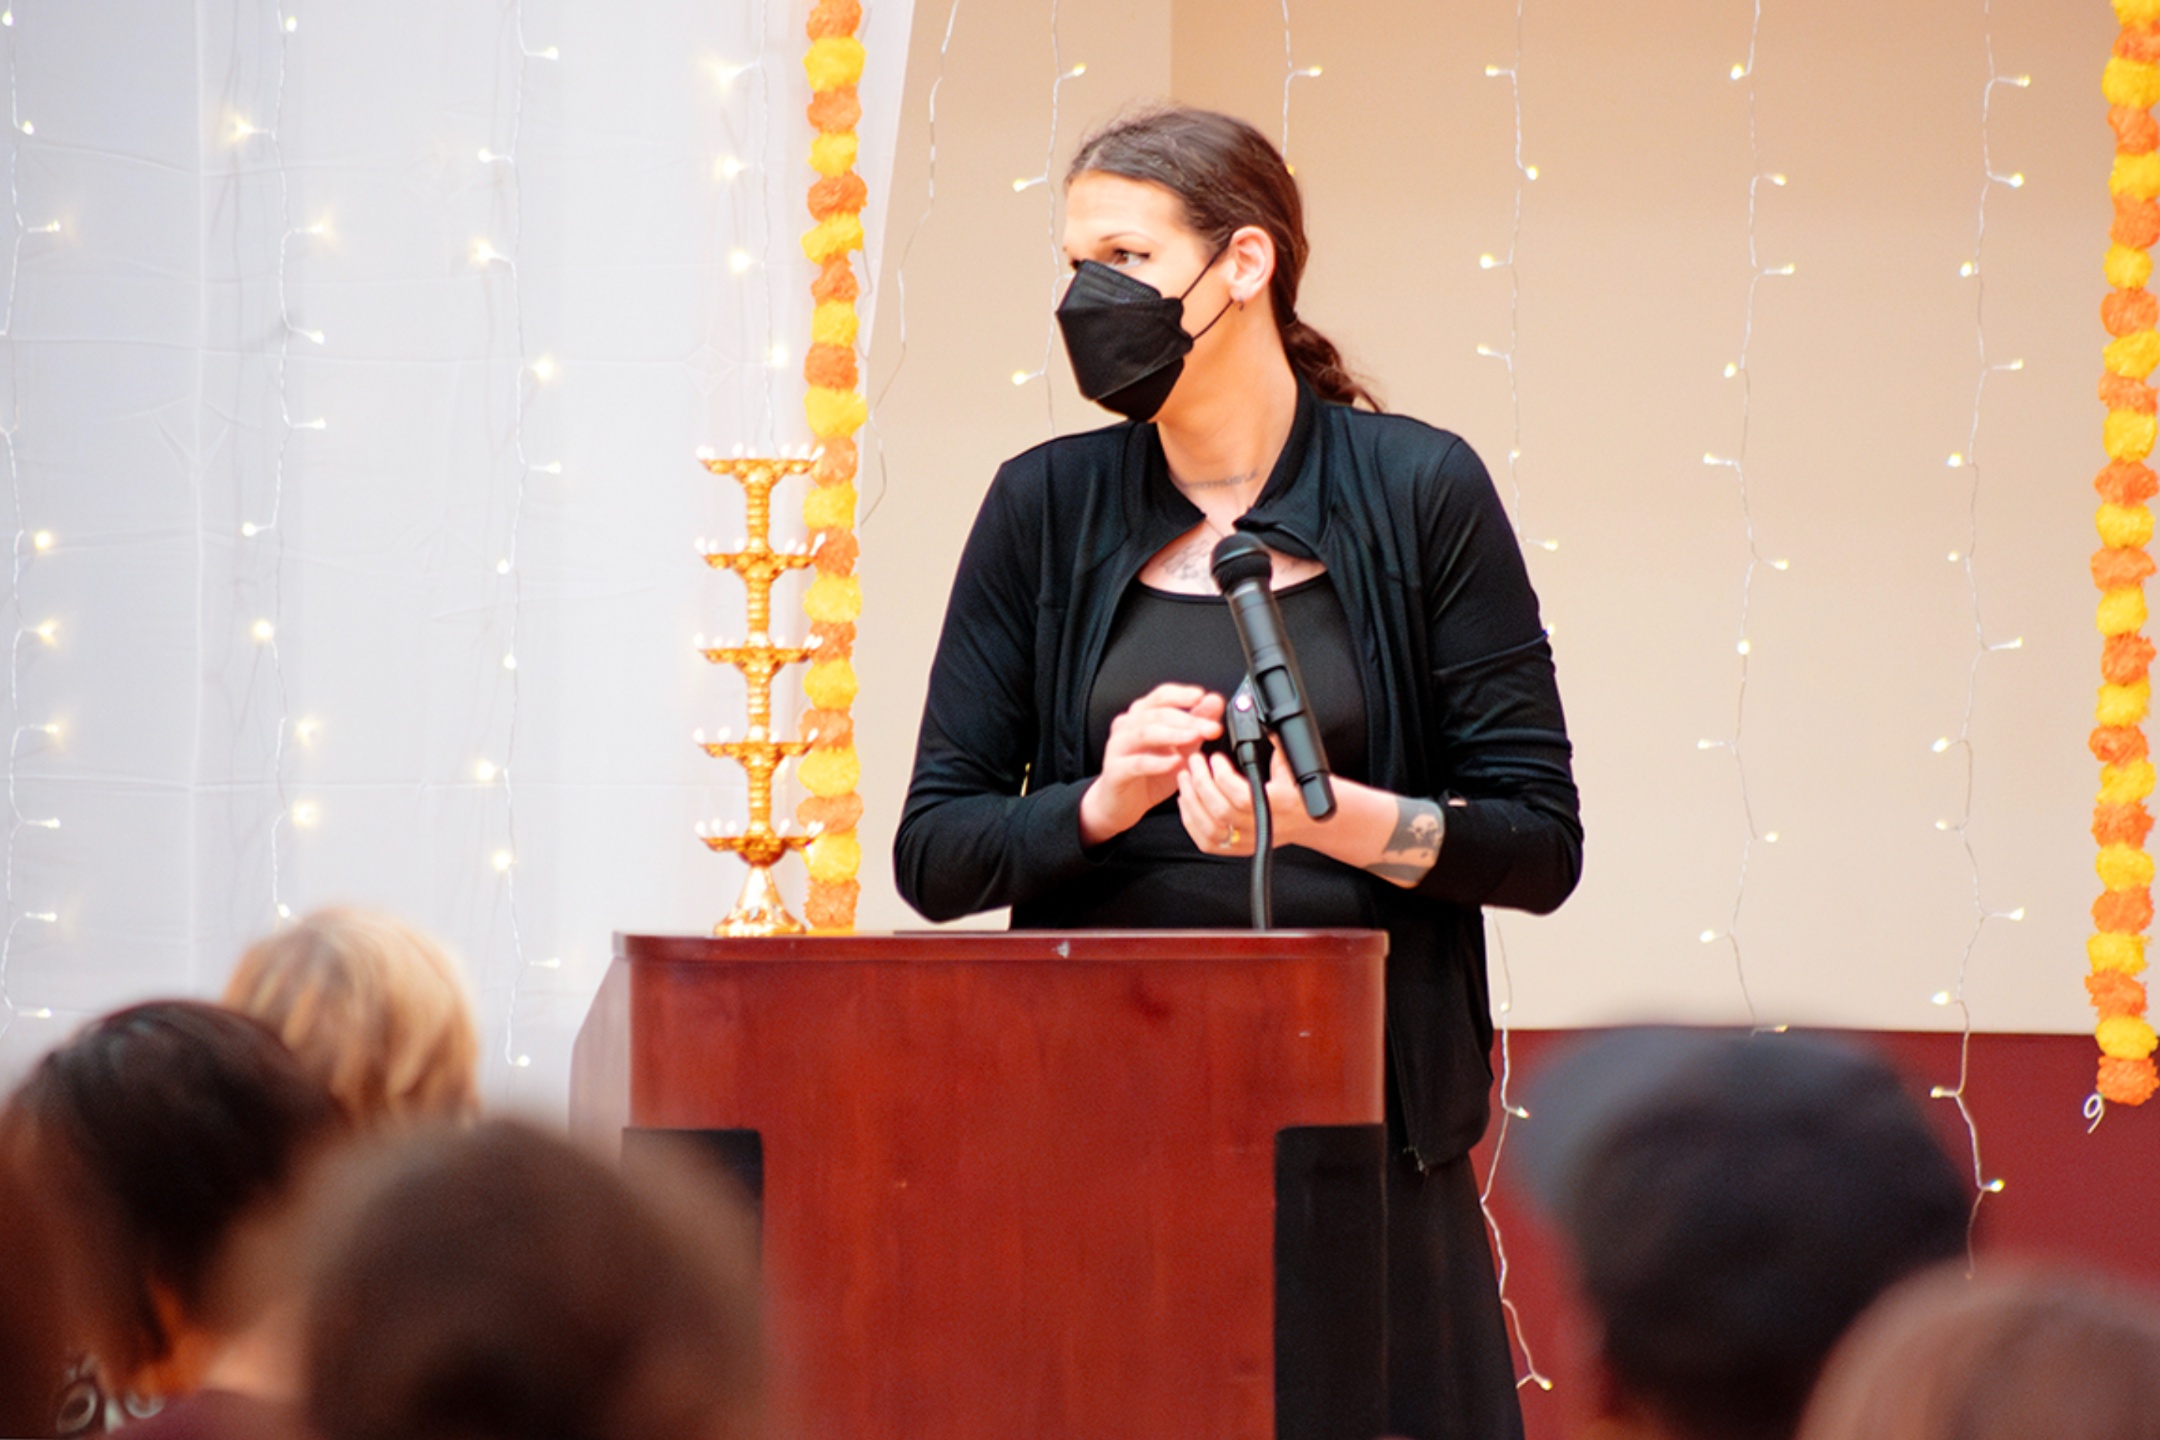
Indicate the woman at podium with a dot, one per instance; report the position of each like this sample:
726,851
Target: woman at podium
1070,760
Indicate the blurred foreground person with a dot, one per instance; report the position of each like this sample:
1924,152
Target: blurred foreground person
496,1282
1998,1357
1731,1203
371,1005
34,1321
173,1138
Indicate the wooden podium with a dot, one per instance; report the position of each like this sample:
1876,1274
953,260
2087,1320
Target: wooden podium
1102,1185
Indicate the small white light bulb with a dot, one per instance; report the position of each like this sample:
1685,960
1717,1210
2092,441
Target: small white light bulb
509,662
42,541
49,632
544,369
484,771
502,861
263,631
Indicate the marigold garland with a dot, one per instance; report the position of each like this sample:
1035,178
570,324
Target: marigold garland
2121,822
836,409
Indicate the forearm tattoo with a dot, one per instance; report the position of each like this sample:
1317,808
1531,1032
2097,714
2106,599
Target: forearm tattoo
1415,845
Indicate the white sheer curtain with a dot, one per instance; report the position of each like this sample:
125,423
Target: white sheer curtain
354,362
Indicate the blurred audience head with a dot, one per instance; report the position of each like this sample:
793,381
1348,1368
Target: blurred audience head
167,1135
1997,1357
1731,1202
371,1005
497,1282
34,1323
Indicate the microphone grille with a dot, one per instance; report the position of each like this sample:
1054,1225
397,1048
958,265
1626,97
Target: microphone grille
1239,558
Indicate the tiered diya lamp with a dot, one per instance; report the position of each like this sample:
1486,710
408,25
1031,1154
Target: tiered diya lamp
759,910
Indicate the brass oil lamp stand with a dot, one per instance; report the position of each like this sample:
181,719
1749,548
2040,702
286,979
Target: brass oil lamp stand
759,910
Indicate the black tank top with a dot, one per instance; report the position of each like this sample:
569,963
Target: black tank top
1153,876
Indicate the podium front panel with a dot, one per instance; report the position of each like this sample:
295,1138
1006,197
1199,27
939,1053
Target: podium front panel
1014,1183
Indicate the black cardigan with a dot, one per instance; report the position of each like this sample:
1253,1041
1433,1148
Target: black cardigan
1461,702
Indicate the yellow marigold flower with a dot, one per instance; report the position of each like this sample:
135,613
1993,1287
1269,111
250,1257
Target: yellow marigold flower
2123,704
833,154
2125,953
2122,610
2127,269
833,858
834,599
2133,355
830,684
833,323
2138,13
2125,527
829,507
2121,784
2126,1037
834,413
2127,435
2136,175
838,234
837,60
831,772
2123,867
2130,82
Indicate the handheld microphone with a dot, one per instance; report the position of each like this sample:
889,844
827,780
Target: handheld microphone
1242,570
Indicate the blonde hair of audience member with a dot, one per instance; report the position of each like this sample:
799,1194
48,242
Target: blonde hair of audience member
373,1006
497,1283
2001,1356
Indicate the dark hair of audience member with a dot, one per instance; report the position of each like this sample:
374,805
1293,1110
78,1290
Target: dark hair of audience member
497,1282
160,1130
33,1319
1997,1357
1729,1220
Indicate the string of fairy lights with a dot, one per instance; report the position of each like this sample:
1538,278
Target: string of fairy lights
1506,262
268,535
1739,370
533,370
900,267
1967,462
26,545
1060,75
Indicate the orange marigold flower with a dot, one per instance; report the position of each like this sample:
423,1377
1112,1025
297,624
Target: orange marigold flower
2123,912
835,17
836,640
847,194
2121,392
828,727
2126,824
2142,46
831,366
2126,482
2136,132
2126,310
833,111
2113,744
836,281
2126,1082
831,905
2114,993
837,465
2124,659
837,554
2113,567
2137,222
834,812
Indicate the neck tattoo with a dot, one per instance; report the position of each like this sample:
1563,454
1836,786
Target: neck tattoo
1227,482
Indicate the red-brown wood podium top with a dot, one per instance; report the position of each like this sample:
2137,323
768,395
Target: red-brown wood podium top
1016,1183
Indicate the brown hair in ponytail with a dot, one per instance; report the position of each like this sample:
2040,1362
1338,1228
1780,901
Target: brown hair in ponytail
1228,176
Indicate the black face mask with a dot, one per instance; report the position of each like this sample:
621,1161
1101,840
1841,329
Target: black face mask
1125,338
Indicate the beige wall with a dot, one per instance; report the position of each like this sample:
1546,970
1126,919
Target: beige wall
1634,283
